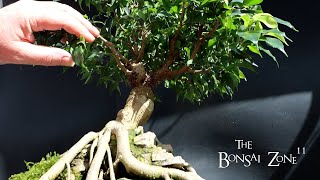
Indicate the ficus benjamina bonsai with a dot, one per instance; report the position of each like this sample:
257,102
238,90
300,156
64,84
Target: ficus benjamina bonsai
195,47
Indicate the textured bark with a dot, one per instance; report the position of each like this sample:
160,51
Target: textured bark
138,108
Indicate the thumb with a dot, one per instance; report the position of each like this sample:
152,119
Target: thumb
41,55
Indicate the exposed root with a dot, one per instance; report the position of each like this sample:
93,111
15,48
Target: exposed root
68,156
94,169
92,148
191,169
101,175
166,177
141,169
69,171
112,174
115,165
124,155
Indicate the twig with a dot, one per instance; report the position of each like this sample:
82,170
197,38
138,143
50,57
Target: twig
68,156
132,49
143,44
117,56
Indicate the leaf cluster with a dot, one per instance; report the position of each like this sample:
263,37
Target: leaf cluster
202,46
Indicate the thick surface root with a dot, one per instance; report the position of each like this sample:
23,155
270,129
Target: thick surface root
123,156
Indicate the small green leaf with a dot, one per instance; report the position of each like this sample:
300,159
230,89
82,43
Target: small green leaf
189,62
141,15
174,9
276,43
252,36
246,20
237,1
266,19
278,34
270,54
211,42
241,75
78,55
252,2
286,23
254,49
188,52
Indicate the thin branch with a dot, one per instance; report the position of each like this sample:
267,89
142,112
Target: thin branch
174,39
143,44
117,56
132,49
202,39
167,75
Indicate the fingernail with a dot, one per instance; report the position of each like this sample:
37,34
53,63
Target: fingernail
96,31
67,61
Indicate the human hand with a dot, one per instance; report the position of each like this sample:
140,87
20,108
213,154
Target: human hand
18,22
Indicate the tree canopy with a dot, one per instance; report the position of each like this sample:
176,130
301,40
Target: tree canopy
196,47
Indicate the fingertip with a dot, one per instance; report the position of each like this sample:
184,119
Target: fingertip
67,61
96,31
89,37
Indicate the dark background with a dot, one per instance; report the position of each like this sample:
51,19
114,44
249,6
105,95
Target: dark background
43,110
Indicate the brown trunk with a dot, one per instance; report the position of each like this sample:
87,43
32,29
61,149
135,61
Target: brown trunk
138,109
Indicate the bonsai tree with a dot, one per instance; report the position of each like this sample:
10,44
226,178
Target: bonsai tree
196,47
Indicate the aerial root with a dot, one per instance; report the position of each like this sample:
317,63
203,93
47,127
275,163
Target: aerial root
69,171
124,156
166,177
68,156
92,149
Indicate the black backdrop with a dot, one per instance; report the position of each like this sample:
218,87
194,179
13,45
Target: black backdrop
42,109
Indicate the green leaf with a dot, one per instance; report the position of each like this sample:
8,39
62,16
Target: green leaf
254,49
237,1
266,19
78,55
189,62
270,54
286,23
211,42
188,52
252,2
276,43
246,20
252,36
241,75
141,15
174,9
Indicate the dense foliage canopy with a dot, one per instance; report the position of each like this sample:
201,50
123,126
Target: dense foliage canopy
197,47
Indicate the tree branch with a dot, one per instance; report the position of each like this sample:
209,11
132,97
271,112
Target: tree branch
132,49
143,44
174,39
117,56
202,39
185,69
